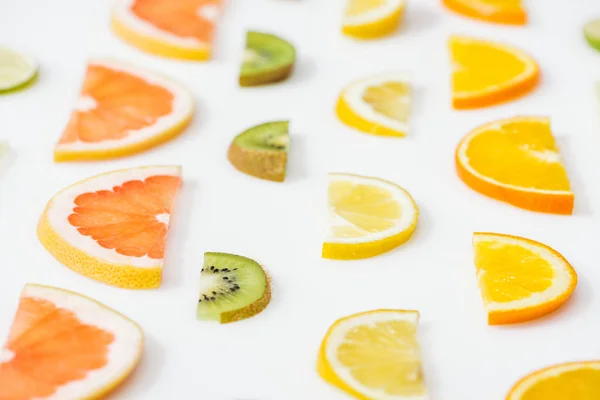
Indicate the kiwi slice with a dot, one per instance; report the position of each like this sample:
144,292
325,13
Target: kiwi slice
261,151
267,59
231,288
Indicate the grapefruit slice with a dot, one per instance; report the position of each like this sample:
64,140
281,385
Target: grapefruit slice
181,29
63,345
113,227
121,111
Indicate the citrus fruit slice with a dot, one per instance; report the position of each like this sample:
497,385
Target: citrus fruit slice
510,12
63,345
232,288
520,279
569,381
267,59
591,31
516,161
121,111
487,73
261,151
378,105
182,29
113,227
371,19
374,355
16,70
367,217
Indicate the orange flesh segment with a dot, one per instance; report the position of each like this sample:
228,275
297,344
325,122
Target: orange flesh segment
500,11
183,18
118,104
131,219
50,347
582,383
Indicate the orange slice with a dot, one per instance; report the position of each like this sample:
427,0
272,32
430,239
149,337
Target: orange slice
487,73
121,111
63,345
181,29
509,12
113,227
516,161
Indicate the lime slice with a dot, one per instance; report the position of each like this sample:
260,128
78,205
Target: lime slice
15,70
591,31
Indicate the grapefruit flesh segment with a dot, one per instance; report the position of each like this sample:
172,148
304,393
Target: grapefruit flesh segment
64,345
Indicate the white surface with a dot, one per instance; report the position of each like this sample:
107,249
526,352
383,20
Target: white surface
272,356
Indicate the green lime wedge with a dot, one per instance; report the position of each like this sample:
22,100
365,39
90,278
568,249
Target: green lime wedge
591,31
16,70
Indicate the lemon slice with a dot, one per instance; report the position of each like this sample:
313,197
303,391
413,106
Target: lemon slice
370,19
374,355
15,69
368,216
378,105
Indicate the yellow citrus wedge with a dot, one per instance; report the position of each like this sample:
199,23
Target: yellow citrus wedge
368,217
371,19
510,12
378,105
63,345
520,279
516,161
374,355
113,227
568,381
487,73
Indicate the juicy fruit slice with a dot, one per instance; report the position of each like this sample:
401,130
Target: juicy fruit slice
16,70
63,345
374,355
591,31
113,227
516,161
371,19
378,105
267,59
368,216
261,151
569,381
182,29
121,111
232,288
487,73
509,12
520,279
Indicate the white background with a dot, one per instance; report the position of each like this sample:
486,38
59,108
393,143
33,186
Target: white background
272,356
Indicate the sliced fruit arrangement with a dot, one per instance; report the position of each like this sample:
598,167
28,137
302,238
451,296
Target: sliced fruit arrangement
367,217
591,31
232,288
487,73
121,111
267,59
113,227
261,151
63,345
181,29
520,279
372,19
16,70
374,355
516,161
569,381
510,12
378,105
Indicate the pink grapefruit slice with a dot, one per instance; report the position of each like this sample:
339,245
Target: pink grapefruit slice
63,345
113,227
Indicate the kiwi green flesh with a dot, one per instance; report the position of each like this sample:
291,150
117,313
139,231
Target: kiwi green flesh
271,136
267,58
230,283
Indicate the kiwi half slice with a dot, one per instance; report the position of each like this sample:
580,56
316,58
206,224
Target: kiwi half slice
261,151
231,288
267,59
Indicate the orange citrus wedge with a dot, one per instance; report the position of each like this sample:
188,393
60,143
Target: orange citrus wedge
520,279
63,345
121,111
516,161
113,227
510,12
487,73
182,29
